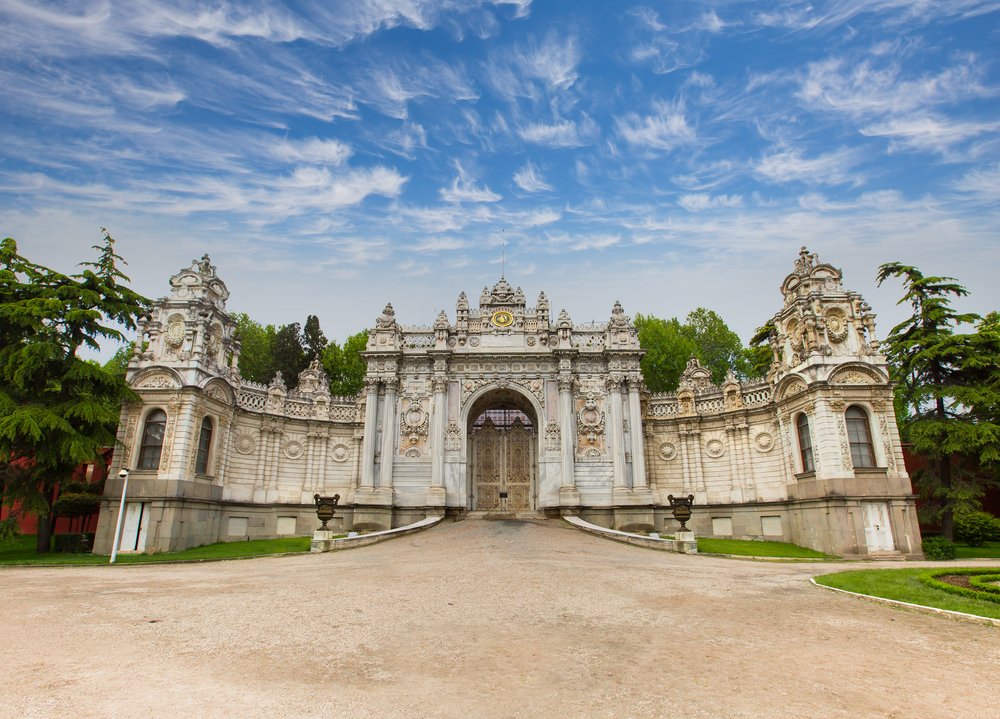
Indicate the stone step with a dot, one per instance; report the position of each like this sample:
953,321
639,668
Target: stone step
493,515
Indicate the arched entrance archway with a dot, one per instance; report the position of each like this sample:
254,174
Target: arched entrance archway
503,443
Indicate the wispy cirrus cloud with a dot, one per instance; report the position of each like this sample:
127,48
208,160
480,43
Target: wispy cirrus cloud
529,179
664,129
464,189
789,165
561,133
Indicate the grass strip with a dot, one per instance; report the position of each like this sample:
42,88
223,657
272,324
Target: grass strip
21,551
906,585
990,551
754,548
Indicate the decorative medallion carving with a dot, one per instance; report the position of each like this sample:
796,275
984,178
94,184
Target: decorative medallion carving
412,453
293,449
245,443
764,442
667,451
715,448
340,453
173,336
836,325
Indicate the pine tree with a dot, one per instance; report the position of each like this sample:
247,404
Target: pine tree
287,354
58,410
313,339
948,388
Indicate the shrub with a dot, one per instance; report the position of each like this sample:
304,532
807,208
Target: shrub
976,528
938,548
78,543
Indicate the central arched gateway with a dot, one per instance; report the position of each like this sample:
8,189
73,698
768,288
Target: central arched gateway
502,448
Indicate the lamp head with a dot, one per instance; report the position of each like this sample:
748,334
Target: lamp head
123,474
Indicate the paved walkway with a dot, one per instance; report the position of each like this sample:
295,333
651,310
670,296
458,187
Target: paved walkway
478,619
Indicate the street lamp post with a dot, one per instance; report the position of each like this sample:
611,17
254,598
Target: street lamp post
123,475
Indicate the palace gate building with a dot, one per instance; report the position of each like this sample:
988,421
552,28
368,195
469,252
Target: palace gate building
505,408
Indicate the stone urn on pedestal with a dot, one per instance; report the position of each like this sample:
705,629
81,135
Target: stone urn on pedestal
325,511
681,507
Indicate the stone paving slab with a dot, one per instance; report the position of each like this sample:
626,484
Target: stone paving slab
478,619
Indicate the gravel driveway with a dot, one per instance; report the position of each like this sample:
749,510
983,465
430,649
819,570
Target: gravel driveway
478,619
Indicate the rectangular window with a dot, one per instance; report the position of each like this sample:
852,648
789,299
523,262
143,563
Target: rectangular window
238,526
771,527
722,526
286,526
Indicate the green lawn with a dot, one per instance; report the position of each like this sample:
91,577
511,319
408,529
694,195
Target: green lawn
991,550
748,548
21,550
904,585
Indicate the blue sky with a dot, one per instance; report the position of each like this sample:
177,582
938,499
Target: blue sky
332,156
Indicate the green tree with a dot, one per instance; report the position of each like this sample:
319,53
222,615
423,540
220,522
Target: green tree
56,409
719,348
949,386
668,348
256,341
345,366
288,356
669,345
118,364
313,339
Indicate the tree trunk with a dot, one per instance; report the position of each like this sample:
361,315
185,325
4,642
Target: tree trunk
46,523
43,538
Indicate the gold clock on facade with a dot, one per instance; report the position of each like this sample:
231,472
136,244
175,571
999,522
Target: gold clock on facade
502,318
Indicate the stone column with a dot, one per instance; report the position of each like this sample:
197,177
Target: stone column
389,432
635,427
617,418
438,423
368,438
569,496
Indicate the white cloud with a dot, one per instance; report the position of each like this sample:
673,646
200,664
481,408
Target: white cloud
832,168
529,179
935,134
696,202
313,151
464,189
664,129
562,133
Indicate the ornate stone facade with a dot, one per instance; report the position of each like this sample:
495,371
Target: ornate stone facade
772,458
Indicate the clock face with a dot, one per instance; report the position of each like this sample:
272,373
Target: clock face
502,318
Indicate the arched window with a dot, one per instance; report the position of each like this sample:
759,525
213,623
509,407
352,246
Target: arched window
152,439
805,443
204,442
859,434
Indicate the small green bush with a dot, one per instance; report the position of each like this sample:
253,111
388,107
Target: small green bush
976,528
76,543
938,548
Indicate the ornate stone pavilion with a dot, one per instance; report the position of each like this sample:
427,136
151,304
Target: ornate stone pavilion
504,409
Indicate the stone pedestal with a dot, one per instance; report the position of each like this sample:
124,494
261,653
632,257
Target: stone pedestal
685,542
322,540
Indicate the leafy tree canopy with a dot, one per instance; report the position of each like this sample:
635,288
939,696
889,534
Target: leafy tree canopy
56,409
288,356
256,341
948,387
669,344
345,366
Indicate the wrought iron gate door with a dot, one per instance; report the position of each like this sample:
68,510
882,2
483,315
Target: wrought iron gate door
502,466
